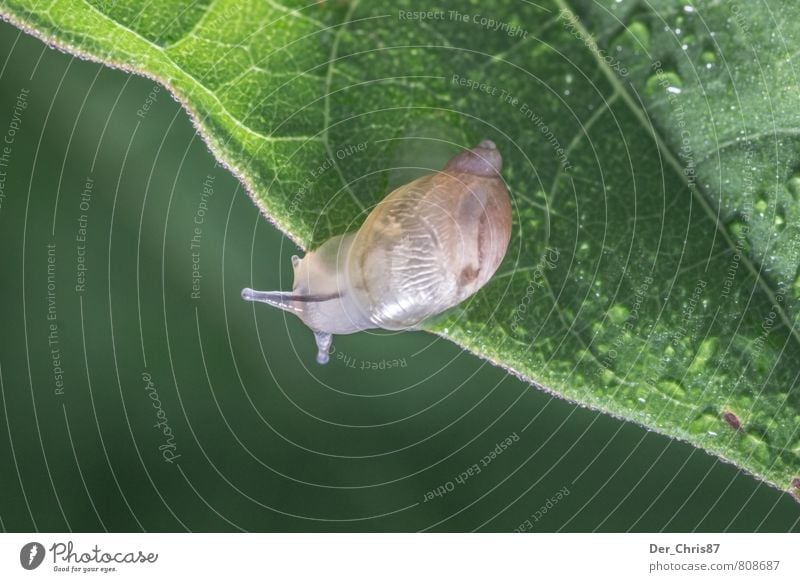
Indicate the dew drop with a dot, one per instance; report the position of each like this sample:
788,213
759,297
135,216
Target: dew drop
618,314
780,220
668,80
761,204
635,36
794,186
640,32
704,423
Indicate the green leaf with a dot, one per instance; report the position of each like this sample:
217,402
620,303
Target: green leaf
651,150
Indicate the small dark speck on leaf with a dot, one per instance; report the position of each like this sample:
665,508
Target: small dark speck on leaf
732,420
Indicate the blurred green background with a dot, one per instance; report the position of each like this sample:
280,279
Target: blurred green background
263,439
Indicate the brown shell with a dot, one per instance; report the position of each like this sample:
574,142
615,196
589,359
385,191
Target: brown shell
432,243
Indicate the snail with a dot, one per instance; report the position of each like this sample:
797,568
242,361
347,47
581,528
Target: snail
425,248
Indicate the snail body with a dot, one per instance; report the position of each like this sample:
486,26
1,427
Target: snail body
425,248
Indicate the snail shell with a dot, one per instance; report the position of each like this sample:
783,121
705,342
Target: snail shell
426,247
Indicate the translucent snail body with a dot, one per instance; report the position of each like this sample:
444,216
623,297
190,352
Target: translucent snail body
426,247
